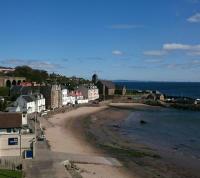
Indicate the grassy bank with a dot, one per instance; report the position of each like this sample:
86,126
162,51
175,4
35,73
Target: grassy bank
10,174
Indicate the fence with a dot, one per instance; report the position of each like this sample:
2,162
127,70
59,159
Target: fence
10,162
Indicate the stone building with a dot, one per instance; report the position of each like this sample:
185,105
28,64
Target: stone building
106,88
53,96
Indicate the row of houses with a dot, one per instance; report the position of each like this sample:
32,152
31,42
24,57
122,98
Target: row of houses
17,135
38,99
35,99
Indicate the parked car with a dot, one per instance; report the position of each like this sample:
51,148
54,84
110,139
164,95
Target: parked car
41,137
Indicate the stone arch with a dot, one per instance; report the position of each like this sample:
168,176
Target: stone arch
18,82
24,81
14,82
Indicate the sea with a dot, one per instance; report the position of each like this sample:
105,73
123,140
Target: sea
183,89
173,132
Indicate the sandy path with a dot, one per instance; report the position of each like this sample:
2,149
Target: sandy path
65,140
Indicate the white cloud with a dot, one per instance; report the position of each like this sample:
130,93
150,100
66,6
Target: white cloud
194,19
125,26
176,46
155,53
117,53
192,50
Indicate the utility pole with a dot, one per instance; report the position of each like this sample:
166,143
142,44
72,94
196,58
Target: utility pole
20,144
104,92
34,147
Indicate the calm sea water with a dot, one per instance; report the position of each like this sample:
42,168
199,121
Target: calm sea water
188,89
169,130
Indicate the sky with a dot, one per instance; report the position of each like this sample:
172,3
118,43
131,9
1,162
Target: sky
147,40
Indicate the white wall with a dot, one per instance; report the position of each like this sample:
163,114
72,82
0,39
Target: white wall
65,98
24,119
82,101
14,150
40,104
93,94
30,107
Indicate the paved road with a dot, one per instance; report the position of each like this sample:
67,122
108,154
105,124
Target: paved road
44,165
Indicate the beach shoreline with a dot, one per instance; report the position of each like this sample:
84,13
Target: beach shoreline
95,131
64,138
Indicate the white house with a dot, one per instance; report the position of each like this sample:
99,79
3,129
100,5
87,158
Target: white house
77,97
39,102
65,99
26,104
90,92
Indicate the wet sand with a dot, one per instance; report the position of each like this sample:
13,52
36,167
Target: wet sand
65,136
104,132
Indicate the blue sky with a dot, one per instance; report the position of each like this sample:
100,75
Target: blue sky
155,40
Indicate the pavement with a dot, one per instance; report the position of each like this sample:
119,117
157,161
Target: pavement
44,164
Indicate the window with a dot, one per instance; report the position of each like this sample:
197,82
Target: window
9,130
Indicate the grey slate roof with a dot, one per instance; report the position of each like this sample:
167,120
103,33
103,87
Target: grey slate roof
27,98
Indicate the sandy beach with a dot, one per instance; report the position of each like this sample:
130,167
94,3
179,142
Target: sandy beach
63,137
95,131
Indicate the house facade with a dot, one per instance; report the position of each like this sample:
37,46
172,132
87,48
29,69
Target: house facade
26,104
78,97
39,102
12,141
90,92
64,97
